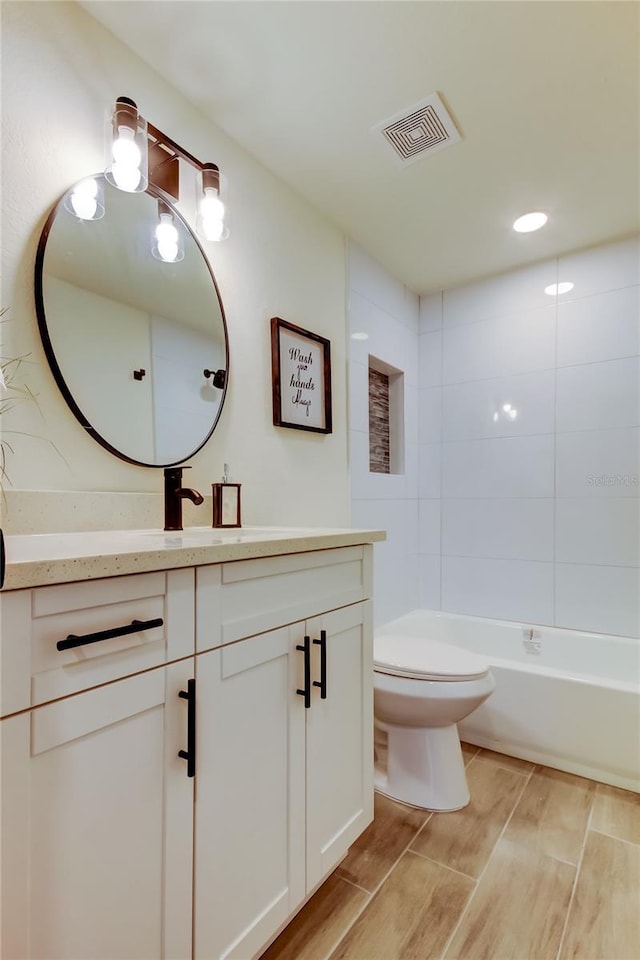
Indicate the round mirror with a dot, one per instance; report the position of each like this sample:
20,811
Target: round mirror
137,344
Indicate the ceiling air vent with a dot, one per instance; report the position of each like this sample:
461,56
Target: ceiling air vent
422,129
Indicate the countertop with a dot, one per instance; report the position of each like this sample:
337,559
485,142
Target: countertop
34,560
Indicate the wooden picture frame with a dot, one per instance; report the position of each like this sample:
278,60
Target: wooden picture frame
301,378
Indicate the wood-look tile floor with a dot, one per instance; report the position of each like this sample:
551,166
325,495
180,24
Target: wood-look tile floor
541,865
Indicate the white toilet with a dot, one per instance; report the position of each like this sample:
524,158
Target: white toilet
422,688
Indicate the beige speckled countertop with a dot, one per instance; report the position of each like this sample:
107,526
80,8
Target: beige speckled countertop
37,559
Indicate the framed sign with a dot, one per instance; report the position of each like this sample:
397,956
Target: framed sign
301,372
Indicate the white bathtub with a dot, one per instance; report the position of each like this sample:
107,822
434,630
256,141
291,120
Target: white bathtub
563,698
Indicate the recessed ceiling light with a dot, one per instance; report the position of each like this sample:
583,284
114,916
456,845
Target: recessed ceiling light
529,222
557,289
359,336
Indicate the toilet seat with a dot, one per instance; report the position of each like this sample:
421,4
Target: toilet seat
422,659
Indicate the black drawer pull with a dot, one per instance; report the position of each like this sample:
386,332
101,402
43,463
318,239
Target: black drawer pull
322,683
306,693
136,626
190,753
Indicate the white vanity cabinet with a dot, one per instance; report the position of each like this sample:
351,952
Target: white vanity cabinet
110,850
97,813
283,789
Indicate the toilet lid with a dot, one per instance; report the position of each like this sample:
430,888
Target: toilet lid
425,659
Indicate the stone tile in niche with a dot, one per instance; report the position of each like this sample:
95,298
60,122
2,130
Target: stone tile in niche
379,440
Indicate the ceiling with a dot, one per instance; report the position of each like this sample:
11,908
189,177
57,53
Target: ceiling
545,95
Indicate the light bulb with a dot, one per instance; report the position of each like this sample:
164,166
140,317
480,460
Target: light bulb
167,245
84,201
126,177
513,414
211,206
506,407
166,232
168,251
529,222
125,149
495,417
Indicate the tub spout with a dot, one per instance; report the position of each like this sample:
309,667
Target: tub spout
174,494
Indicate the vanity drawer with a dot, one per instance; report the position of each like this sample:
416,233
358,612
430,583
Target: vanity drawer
248,597
34,622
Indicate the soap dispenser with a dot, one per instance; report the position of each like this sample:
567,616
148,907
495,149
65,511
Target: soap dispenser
226,502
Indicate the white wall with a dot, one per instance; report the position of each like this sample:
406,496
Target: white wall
387,312
534,518
61,71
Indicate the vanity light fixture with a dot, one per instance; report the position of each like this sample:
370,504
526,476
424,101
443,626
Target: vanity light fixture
557,289
141,154
127,163
530,222
167,239
85,200
211,223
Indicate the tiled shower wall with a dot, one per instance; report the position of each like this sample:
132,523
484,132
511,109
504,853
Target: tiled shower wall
388,313
529,445
529,513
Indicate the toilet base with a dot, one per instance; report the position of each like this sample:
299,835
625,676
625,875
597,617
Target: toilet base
425,767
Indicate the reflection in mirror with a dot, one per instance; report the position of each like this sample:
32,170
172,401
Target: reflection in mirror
129,336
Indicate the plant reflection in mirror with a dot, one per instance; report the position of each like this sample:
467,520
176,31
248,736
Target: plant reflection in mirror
11,393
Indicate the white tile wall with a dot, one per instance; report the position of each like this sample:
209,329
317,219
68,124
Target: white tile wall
430,418
598,463
431,312
431,359
429,527
429,470
500,529
534,518
501,589
477,409
605,326
609,267
384,309
518,343
597,396
598,599
598,531
508,467
429,588
519,290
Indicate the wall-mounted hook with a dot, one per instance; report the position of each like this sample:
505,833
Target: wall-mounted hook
219,377
139,374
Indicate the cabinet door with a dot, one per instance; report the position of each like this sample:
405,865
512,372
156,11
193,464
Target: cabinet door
339,738
96,824
249,812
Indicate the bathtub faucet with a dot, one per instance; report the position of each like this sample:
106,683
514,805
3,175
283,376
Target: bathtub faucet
174,494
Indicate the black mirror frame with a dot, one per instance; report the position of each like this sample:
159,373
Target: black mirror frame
50,353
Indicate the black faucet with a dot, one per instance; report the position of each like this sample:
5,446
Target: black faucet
174,494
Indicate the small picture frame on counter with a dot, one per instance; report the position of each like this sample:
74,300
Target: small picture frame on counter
226,504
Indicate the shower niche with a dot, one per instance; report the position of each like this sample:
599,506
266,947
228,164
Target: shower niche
386,418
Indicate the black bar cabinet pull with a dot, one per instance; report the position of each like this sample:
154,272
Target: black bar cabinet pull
136,626
322,683
190,753
306,693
